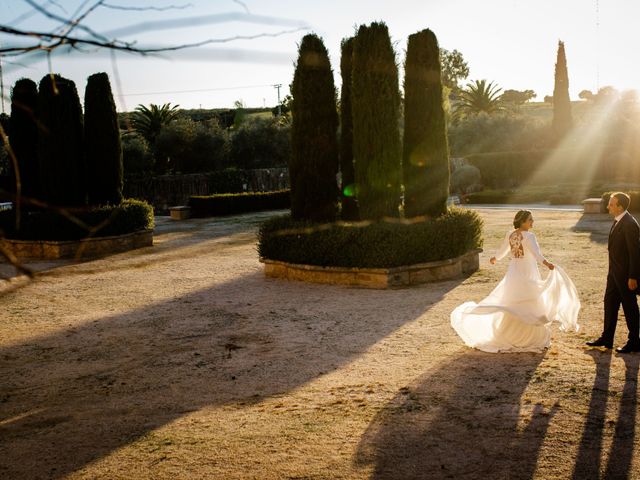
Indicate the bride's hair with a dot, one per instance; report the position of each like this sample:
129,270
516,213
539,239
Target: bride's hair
520,218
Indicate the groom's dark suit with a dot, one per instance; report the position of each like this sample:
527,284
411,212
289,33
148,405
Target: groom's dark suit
624,263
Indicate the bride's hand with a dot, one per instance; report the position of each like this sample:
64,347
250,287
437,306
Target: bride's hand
492,260
549,265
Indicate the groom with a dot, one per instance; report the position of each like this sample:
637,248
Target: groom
622,279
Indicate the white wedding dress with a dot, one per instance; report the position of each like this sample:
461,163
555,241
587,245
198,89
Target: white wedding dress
517,315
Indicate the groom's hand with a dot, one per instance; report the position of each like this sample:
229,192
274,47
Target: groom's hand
633,284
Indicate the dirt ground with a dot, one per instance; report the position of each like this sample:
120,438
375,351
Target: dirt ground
183,361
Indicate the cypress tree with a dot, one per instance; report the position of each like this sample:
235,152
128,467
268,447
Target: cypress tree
561,102
60,142
314,146
349,204
102,139
23,136
425,159
376,140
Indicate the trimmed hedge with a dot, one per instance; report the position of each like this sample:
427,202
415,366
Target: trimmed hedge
232,203
130,216
384,244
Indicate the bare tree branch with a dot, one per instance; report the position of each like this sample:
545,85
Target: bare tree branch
141,9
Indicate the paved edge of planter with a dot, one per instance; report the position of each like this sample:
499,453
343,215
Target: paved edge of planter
85,248
376,277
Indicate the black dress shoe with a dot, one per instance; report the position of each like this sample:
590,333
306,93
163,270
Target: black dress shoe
629,348
601,342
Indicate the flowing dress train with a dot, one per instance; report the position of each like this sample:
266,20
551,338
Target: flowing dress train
517,315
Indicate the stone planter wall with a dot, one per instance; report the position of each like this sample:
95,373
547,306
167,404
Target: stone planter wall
376,277
86,248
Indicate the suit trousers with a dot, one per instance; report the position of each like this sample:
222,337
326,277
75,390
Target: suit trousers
616,294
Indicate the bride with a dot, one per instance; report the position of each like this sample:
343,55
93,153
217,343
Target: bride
517,314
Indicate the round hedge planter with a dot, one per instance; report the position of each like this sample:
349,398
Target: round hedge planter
85,248
377,277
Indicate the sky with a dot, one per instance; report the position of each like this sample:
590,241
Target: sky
510,42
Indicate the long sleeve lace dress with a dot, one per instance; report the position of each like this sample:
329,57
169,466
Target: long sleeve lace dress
517,315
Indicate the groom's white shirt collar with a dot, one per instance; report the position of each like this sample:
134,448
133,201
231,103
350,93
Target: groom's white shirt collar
619,217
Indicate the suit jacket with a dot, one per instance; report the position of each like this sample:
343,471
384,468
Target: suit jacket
624,250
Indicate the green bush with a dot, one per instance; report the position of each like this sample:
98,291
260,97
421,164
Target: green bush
464,178
130,216
136,156
383,244
233,203
185,146
498,133
260,143
23,137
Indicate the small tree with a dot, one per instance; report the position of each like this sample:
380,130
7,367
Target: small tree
60,142
376,139
349,204
102,140
425,159
561,102
314,146
23,136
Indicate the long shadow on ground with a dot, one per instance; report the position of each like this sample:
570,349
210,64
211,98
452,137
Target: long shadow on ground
589,460
463,421
72,397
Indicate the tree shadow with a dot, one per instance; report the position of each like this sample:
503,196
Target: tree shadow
463,421
589,458
173,240
76,395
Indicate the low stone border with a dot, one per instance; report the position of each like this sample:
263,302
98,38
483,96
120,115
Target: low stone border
376,277
86,248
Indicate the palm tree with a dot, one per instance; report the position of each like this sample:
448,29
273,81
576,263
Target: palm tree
478,97
148,121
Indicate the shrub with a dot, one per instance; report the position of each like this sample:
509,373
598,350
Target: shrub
185,146
383,244
60,142
464,177
129,216
136,157
376,108
23,136
314,143
233,203
260,143
498,133
103,149
425,160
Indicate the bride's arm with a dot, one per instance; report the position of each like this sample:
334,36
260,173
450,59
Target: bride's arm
502,250
531,243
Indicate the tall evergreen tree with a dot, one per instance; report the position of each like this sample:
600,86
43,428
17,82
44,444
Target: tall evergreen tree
60,142
314,145
425,159
376,139
561,103
349,203
23,136
102,139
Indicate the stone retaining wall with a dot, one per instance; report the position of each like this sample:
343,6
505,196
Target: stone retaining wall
86,248
377,277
